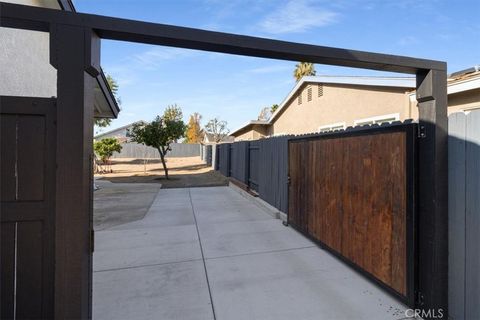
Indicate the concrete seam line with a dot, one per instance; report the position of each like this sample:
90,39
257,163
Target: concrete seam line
262,252
146,265
203,256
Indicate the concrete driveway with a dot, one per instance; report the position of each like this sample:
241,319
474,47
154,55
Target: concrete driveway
210,253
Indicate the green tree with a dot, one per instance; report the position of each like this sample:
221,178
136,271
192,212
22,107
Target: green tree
105,148
273,108
303,69
160,133
194,130
217,128
173,113
113,84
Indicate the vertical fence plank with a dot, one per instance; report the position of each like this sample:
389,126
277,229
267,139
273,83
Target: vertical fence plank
456,209
472,192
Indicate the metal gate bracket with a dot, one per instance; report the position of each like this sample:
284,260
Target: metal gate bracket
422,131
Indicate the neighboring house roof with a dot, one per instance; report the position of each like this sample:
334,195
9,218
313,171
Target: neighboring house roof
396,82
209,138
119,129
105,104
248,126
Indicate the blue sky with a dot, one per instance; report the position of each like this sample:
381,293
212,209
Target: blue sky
235,88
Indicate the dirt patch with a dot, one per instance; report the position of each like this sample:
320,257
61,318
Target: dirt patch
119,203
183,172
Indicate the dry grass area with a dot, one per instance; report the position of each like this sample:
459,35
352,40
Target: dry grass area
183,172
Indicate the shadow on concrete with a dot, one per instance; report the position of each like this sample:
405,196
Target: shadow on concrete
206,179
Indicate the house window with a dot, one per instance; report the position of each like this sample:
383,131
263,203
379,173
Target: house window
377,120
299,100
320,90
309,94
332,127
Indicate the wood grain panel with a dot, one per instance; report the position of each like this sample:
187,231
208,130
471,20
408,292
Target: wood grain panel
31,157
350,194
7,269
8,150
29,270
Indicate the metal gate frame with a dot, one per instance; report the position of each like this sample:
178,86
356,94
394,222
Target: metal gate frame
411,131
75,53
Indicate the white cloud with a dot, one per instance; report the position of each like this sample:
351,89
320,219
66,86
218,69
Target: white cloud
297,16
153,58
407,41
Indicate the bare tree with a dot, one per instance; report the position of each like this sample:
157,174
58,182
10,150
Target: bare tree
265,114
217,128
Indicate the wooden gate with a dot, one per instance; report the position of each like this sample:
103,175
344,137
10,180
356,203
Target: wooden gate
27,207
353,192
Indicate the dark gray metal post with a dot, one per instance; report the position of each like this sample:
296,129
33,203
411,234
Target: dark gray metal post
433,191
73,264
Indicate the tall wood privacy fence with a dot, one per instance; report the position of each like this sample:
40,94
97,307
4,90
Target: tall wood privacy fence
353,192
464,215
263,166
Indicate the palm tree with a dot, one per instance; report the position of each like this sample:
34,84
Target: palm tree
303,69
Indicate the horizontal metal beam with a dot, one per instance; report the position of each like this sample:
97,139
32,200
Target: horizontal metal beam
34,18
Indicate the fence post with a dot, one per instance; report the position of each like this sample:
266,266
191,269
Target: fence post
433,191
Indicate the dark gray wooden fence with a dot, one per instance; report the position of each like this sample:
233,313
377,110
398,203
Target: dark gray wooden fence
223,159
206,154
140,151
464,215
262,165
239,161
253,162
273,171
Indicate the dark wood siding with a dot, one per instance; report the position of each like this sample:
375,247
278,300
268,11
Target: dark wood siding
349,192
27,193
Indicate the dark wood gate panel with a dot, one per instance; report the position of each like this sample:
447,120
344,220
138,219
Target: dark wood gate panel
353,192
27,212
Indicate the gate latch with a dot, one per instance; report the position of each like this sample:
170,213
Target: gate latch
420,299
288,180
422,131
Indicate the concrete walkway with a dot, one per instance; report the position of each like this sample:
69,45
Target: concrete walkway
209,253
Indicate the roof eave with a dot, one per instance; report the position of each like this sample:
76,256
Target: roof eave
108,95
67,5
249,124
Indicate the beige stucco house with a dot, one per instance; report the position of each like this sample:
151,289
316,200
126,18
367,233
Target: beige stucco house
327,103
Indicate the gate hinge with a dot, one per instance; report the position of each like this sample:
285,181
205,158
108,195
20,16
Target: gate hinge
422,131
288,180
